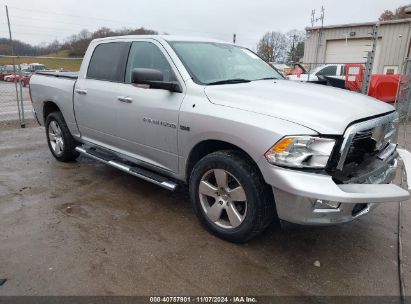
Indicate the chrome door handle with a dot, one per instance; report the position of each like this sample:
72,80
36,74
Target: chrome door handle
81,92
125,99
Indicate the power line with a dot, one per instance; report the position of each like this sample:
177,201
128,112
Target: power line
39,27
67,15
62,22
48,31
120,22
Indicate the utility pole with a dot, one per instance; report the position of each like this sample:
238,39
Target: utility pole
234,37
313,21
14,70
370,61
292,51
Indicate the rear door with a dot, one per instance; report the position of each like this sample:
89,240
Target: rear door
95,96
148,122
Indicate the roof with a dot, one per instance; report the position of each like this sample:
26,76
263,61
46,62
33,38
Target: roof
164,38
408,20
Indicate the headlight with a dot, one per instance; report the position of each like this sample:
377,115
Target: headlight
301,152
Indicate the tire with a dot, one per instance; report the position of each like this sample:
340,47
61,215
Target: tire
59,139
239,215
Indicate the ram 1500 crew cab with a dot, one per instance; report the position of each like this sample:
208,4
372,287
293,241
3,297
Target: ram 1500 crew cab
251,146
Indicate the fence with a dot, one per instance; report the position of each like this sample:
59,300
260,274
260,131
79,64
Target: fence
403,102
15,73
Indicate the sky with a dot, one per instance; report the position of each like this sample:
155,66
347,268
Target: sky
42,21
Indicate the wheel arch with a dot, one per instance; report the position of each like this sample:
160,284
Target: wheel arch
49,107
208,146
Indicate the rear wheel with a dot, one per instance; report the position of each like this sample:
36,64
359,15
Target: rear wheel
230,196
61,144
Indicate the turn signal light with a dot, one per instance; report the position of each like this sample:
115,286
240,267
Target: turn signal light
282,145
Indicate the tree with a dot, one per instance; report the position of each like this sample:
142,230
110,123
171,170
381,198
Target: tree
76,45
272,47
102,32
295,45
398,14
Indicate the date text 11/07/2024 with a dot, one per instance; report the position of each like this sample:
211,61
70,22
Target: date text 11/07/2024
203,299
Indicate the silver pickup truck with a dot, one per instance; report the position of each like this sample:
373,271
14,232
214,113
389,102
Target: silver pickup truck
252,146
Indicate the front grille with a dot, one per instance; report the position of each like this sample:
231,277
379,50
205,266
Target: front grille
362,145
367,138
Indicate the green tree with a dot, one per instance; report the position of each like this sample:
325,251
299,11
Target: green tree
295,45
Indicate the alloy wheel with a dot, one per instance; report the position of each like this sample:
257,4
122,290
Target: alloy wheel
223,198
56,138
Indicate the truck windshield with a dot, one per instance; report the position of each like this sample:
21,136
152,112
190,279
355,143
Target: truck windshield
212,63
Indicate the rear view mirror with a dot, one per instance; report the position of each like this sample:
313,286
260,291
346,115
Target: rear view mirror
154,79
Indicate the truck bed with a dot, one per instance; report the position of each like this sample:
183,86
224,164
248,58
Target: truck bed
70,75
57,87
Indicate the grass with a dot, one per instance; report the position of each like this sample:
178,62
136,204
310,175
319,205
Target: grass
50,63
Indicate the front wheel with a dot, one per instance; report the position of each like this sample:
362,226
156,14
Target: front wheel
61,144
230,197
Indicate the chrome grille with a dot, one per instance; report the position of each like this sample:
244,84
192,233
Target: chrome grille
367,137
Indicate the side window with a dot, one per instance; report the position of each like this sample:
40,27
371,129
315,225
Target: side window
108,61
148,56
328,70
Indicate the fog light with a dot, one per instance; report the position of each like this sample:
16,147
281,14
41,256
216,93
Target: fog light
322,204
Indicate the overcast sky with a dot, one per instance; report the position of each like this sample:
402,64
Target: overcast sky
37,21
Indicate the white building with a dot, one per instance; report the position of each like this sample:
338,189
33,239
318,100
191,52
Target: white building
349,43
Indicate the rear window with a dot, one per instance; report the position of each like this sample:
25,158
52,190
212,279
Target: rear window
108,61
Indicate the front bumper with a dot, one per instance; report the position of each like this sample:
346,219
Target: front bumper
299,194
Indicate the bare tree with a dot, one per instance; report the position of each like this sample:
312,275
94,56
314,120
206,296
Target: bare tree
272,47
84,34
398,14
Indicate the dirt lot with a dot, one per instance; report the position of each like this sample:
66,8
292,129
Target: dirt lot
84,228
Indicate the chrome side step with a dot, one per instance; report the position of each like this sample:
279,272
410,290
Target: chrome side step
140,172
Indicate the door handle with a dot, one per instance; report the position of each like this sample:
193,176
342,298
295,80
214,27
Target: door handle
81,92
125,99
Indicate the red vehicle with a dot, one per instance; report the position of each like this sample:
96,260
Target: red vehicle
24,78
382,87
4,74
297,69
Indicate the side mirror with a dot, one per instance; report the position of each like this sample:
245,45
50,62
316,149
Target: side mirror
154,79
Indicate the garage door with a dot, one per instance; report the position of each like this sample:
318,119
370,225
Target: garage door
350,51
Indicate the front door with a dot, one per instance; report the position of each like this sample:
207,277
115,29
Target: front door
148,118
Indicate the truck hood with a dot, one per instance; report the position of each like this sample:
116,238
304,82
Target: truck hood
326,110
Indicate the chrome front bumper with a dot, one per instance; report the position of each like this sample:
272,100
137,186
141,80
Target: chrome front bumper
302,197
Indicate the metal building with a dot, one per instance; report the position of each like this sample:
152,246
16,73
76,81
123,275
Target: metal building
349,43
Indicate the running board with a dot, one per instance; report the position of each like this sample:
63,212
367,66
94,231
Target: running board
142,173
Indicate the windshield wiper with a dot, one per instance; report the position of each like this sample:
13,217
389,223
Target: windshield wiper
267,78
229,81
